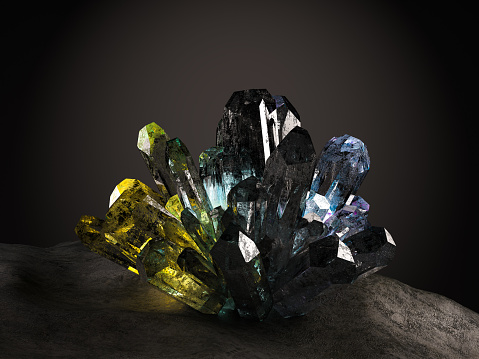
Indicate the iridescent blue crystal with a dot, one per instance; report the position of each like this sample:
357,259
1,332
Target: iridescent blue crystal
214,177
350,219
342,166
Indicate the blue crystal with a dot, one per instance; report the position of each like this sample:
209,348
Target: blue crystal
350,219
213,176
343,164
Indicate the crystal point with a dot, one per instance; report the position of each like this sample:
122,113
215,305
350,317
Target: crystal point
342,166
287,178
252,128
372,248
152,145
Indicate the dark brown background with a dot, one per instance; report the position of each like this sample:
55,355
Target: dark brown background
81,80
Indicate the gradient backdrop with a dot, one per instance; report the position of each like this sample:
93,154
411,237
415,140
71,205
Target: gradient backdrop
82,79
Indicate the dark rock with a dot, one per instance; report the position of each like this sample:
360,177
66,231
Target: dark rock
66,301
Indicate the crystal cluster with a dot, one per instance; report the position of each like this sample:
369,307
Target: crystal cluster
265,223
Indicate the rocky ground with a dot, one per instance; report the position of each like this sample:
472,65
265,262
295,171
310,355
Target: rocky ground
65,301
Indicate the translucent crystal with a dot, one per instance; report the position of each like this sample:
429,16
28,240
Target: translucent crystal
350,219
214,177
89,230
284,120
189,187
248,201
174,206
244,128
184,274
141,235
152,145
306,232
220,171
253,124
342,166
196,230
287,178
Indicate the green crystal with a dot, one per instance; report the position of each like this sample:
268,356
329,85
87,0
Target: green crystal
152,145
196,230
174,206
189,185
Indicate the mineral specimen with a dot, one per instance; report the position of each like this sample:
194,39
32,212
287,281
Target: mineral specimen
265,222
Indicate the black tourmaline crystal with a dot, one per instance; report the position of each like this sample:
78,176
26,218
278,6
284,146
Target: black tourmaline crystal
266,223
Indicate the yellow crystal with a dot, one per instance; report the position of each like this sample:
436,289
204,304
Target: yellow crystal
90,230
147,136
174,206
204,291
152,145
140,232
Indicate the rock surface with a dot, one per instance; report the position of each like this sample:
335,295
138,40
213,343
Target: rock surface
66,301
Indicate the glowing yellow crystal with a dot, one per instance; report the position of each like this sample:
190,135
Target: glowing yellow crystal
140,234
174,206
184,274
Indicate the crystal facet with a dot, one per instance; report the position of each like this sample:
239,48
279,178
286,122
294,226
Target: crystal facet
342,166
152,145
248,201
189,187
330,263
240,262
287,177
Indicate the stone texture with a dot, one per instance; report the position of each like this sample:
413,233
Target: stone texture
66,301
